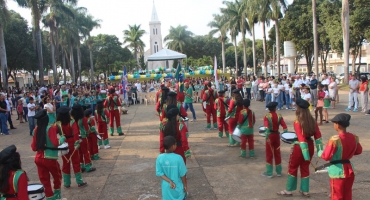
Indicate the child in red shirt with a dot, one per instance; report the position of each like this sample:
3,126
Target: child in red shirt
20,111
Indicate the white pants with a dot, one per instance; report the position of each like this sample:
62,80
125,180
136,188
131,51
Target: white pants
353,97
364,100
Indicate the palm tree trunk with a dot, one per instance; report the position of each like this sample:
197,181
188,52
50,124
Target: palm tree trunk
236,58
315,39
4,64
345,27
277,45
264,48
40,57
79,62
72,61
52,52
254,50
64,66
91,65
244,53
223,56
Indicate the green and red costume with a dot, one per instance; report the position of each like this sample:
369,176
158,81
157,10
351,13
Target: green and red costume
93,139
102,120
303,150
220,107
272,121
17,186
339,148
182,148
233,112
47,162
85,159
209,96
246,122
71,132
113,103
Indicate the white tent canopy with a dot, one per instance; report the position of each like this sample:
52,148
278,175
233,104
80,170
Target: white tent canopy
166,54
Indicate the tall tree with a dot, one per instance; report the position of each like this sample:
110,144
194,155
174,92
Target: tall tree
178,37
132,37
252,17
345,28
4,17
218,25
231,15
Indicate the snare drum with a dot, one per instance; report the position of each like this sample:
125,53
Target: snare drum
261,131
98,136
325,170
204,104
35,191
289,137
186,120
226,119
63,149
237,135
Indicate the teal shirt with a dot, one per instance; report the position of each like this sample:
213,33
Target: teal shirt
88,101
73,101
189,92
81,101
173,167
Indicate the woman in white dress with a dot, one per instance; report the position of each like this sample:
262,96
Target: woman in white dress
332,91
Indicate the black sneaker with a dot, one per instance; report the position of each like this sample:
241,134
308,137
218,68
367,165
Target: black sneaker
82,184
92,169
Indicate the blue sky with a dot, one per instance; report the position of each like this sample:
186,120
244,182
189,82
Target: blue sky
116,15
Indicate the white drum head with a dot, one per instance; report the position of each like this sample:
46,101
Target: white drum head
262,128
98,136
236,135
63,146
288,135
34,187
204,105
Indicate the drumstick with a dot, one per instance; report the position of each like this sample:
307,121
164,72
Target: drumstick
71,155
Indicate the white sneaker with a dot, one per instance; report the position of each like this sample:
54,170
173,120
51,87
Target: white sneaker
267,109
98,147
106,147
286,108
278,108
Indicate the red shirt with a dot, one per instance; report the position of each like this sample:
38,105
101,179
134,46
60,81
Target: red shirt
180,137
22,184
240,83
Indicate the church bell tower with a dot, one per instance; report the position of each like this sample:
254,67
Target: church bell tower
155,32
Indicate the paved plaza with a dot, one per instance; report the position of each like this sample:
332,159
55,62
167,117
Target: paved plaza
127,170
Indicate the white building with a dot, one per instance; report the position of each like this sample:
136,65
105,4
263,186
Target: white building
156,41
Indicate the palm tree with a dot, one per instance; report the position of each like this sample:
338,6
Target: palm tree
345,27
4,17
277,6
252,20
219,27
178,37
230,14
263,8
132,36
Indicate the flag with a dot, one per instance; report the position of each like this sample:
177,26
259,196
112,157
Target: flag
179,78
215,73
124,82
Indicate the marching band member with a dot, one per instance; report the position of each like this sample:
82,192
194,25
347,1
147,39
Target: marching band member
173,127
92,135
45,143
71,132
85,160
209,97
339,150
112,103
162,103
172,100
303,149
13,180
236,105
221,105
271,122
158,95
246,122
102,118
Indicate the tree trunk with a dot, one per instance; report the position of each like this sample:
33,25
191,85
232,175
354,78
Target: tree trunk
79,62
223,57
72,61
353,67
40,57
4,64
277,45
52,52
244,53
264,47
64,67
345,27
236,57
359,61
91,65
315,39
254,50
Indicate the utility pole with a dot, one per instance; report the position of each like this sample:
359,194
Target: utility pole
315,39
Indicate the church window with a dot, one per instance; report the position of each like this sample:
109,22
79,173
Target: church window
156,32
153,31
155,49
155,43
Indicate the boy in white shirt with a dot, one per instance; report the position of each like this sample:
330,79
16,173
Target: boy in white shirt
31,113
292,97
275,95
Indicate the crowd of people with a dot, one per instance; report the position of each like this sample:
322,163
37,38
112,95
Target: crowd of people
77,117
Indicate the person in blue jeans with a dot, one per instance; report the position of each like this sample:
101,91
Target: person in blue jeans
189,100
269,93
3,117
280,99
31,107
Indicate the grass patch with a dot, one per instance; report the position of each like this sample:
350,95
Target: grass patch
343,87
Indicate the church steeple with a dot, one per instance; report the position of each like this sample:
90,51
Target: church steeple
154,14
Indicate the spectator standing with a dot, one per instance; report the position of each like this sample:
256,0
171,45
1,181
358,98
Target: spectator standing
20,111
354,85
248,87
138,86
189,100
363,93
240,84
8,117
3,111
25,110
333,91
313,86
31,107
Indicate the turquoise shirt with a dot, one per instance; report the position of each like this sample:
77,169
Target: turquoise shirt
73,101
88,101
221,86
173,167
189,92
81,101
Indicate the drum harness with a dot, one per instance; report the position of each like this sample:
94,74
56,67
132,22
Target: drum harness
17,174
